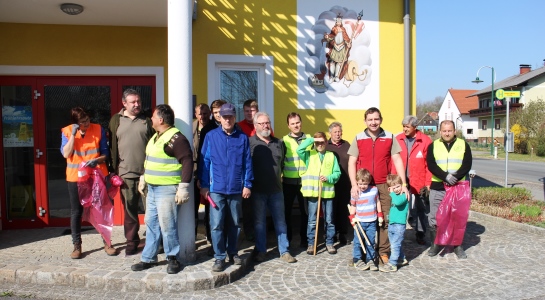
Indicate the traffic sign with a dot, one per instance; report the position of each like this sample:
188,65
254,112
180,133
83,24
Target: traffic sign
511,94
500,94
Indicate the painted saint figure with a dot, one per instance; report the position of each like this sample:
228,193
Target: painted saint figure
339,44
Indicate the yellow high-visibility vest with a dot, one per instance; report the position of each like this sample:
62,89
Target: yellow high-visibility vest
449,161
161,169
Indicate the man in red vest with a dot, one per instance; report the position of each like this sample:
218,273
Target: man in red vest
376,150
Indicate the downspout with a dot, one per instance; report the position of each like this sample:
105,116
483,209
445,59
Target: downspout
407,58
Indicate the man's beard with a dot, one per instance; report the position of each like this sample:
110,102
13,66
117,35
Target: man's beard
265,133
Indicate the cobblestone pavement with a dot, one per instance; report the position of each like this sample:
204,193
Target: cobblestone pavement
505,261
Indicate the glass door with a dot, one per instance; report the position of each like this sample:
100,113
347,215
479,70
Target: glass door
21,154
60,95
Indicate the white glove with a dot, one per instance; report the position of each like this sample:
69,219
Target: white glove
142,186
380,221
451,179
182,195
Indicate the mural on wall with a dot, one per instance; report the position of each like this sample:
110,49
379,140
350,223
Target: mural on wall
340,55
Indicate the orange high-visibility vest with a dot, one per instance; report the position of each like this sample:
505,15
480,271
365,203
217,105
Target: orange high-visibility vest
85,149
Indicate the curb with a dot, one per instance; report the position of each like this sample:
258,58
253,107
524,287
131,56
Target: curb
507,223
150,281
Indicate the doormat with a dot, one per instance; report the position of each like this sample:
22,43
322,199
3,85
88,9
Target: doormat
68,231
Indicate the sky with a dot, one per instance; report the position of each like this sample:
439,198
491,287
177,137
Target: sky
455,38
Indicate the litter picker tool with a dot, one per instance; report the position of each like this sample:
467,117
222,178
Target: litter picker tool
318,216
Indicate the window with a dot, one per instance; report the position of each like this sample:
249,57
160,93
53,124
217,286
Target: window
497,124
445,116
449,103
483,124
469,131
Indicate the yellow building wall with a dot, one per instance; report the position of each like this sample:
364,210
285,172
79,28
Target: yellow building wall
62,45
269,28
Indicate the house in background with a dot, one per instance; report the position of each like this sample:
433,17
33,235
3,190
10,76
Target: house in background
456,107
530,83
428,123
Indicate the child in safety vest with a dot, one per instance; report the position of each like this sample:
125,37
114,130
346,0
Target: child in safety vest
365,210
322,173
396,224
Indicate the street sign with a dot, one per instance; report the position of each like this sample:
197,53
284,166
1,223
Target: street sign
500,94
511,94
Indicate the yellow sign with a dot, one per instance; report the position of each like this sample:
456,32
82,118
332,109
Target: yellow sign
500,94
511,94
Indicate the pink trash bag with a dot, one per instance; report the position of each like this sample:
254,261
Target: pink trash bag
452,214
98,209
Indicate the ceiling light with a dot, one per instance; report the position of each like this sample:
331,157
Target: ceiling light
71,8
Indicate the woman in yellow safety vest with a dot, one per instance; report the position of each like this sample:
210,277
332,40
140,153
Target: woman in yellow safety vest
322,169
82,142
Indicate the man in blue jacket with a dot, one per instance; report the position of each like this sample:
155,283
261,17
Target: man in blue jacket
226,176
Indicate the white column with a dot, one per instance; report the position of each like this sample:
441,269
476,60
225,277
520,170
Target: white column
180,99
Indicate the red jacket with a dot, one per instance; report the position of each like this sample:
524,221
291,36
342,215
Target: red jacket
375,155
419,175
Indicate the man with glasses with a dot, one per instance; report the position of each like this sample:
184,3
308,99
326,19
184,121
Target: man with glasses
226,177
130,131
267,156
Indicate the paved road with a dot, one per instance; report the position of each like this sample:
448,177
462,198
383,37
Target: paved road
505,261
530,175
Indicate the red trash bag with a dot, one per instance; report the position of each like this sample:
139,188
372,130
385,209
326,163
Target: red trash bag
97,206
452,214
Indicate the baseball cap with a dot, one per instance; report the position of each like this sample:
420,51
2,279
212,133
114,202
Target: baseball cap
227,109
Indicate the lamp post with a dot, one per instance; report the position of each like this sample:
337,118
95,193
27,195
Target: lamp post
477,80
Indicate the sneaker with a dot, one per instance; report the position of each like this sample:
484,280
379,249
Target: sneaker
331,249
76,253
288,258
142,266
403,263
384,258
388,268
173,265
258,256
310,249
219,265
235,259
460,253
372,266
111,251
360,265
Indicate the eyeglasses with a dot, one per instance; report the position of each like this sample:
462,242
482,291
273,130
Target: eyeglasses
264,123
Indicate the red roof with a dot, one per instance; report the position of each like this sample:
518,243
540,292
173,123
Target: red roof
464,104
434,115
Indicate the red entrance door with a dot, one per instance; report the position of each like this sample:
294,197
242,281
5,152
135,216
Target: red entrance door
34,109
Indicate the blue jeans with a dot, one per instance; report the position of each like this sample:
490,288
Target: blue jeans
225,217
327,208
396,232
370,229
275,203
161,219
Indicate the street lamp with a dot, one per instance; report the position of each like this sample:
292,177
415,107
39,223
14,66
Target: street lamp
477,80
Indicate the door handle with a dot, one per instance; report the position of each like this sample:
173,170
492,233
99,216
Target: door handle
39,153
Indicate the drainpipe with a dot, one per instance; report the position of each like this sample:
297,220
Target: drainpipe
180,17
407,57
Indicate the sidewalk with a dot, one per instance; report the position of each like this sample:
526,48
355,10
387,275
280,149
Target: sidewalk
505,261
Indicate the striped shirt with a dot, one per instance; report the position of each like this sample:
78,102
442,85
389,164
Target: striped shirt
366,205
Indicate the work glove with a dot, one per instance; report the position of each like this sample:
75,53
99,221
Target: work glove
142,186
451,180
182,195
352,219
75,128
91,163
380,218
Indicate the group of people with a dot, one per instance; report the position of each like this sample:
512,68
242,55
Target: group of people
241,170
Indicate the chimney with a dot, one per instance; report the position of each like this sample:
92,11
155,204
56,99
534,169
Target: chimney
524,69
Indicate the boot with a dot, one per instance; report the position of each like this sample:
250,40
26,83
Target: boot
434,249
460,253
76,253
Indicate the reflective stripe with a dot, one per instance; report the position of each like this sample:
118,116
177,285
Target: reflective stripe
72,166
310,177
313,188
292,158
161,173
294,169
85,153
450,160
162,160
